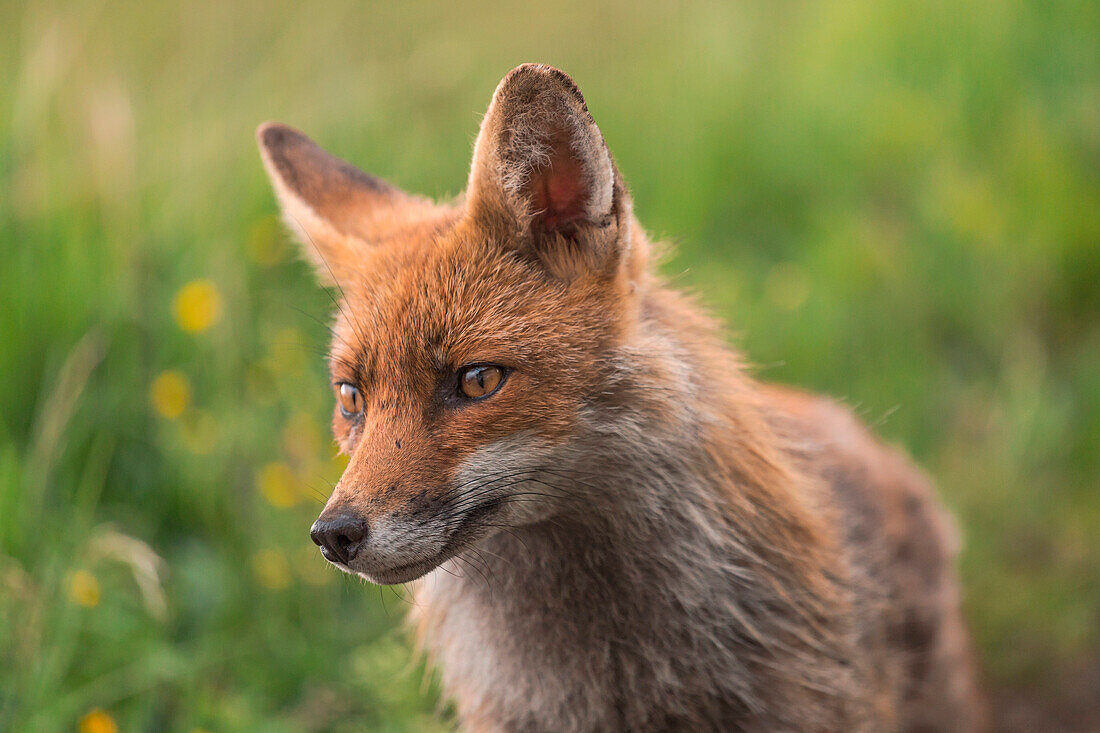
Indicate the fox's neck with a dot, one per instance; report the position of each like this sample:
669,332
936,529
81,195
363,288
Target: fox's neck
691,569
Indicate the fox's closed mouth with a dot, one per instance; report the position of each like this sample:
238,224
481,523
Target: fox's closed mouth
462,538
408,573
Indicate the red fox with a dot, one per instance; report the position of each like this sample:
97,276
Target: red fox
606,522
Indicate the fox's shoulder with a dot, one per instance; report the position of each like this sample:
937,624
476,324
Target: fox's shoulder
876,485
902,543
821,428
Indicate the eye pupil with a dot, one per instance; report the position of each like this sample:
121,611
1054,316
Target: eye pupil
480,381
350,399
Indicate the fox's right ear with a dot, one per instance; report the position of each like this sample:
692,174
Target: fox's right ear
542,173
334,208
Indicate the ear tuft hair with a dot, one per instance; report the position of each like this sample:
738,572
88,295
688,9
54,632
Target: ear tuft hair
540,162
335,208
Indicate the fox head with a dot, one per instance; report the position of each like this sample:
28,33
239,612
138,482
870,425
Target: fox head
471,336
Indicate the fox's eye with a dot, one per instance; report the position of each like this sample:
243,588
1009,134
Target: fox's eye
480,380
351,401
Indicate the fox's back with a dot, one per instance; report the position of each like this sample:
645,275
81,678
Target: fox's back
901,545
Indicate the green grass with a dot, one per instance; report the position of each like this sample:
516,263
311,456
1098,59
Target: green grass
892,202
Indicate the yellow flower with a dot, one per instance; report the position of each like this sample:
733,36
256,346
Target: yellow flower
97,721
84,590
278,485
197,306
170,394
271,568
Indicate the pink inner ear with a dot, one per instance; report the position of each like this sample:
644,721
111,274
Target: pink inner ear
558,191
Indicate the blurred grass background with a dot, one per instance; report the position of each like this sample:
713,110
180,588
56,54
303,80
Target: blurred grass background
897,203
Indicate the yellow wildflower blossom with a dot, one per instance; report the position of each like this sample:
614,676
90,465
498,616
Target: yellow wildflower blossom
278,485
197,306
170,394
98,721
84,589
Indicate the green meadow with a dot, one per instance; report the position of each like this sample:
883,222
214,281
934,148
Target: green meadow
896,203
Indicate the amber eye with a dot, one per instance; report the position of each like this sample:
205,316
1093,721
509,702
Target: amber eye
351,401
480,380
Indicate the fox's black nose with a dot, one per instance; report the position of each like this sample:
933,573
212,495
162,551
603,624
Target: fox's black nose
339,537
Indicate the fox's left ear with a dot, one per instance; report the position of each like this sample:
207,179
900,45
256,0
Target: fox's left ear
336,209
542,173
